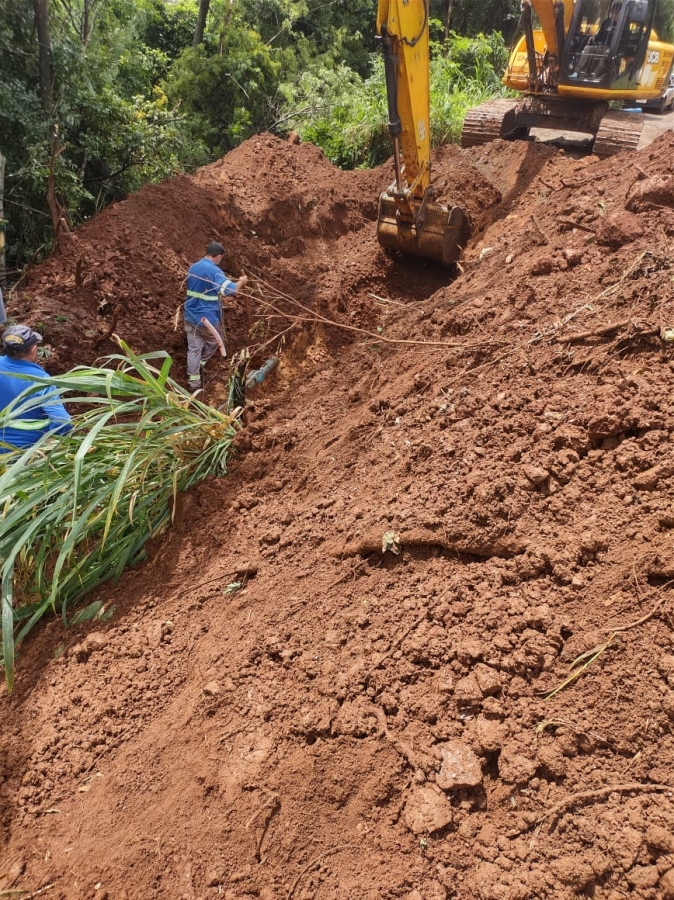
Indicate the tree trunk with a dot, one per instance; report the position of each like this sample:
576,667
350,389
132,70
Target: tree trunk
3,267
59,214
450,6
201,22
44,47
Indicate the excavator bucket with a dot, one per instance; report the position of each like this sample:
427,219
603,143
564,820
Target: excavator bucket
437,232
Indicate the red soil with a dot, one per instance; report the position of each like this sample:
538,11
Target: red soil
352,723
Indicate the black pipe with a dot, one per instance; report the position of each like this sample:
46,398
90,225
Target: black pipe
559,31
528,25
395,127
391,72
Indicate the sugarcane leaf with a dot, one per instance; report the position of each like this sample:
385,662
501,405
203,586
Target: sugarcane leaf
8,624
76,509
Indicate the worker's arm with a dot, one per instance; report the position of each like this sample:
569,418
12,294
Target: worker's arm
227,288
53,408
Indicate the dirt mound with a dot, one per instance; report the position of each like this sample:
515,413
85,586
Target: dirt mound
279,708
282,212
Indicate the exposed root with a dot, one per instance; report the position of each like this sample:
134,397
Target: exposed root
586,659
112,328
416,760
504,548
571,224
272,806
597,332
316,317
586,796
317,859
648,616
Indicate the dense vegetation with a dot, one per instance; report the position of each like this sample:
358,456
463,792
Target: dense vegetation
79,508
101,96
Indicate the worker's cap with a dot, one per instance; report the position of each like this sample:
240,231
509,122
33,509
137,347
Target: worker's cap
20,337
215,248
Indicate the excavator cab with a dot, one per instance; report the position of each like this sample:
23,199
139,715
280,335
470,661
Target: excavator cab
410,220
607,44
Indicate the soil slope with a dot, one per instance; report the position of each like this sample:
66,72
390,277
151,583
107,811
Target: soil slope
280,709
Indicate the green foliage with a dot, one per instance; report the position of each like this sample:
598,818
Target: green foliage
469,74
114,129
664,20
227,95
77,509
347,116
134,102
471,18
340,30
169,26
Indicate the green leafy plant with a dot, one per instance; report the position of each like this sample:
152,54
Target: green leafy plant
232,587
96,611
75,510
346,115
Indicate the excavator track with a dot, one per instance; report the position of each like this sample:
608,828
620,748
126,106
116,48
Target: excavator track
485,123
614,130
618,131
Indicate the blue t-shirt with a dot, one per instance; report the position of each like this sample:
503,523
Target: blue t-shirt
205,283
49,415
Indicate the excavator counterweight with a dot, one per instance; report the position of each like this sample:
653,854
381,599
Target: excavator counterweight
410,218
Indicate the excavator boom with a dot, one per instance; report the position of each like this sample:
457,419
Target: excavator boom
410,220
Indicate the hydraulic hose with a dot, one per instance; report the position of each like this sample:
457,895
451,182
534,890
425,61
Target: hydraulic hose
394,124
391,73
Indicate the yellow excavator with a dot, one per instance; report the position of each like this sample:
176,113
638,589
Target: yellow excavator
410,218
572,59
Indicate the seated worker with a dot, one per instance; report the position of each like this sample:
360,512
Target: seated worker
20,345
607,28
593,59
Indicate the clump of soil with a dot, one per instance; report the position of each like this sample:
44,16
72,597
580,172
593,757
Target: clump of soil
280,709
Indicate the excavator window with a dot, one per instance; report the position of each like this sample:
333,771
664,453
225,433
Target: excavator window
607,42
632,45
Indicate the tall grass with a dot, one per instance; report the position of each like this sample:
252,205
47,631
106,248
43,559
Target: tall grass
76,509
467,74
347,116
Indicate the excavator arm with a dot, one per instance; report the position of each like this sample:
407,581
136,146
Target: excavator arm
409,218
555,18
403,29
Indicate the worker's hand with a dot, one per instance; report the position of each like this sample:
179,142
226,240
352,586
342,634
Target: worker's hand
242,282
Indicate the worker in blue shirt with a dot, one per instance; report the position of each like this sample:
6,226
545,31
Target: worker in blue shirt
206,285
44,412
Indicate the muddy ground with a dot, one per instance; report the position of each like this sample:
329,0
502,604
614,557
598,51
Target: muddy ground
278,709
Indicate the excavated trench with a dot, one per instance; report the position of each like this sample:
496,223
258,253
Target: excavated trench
352,722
